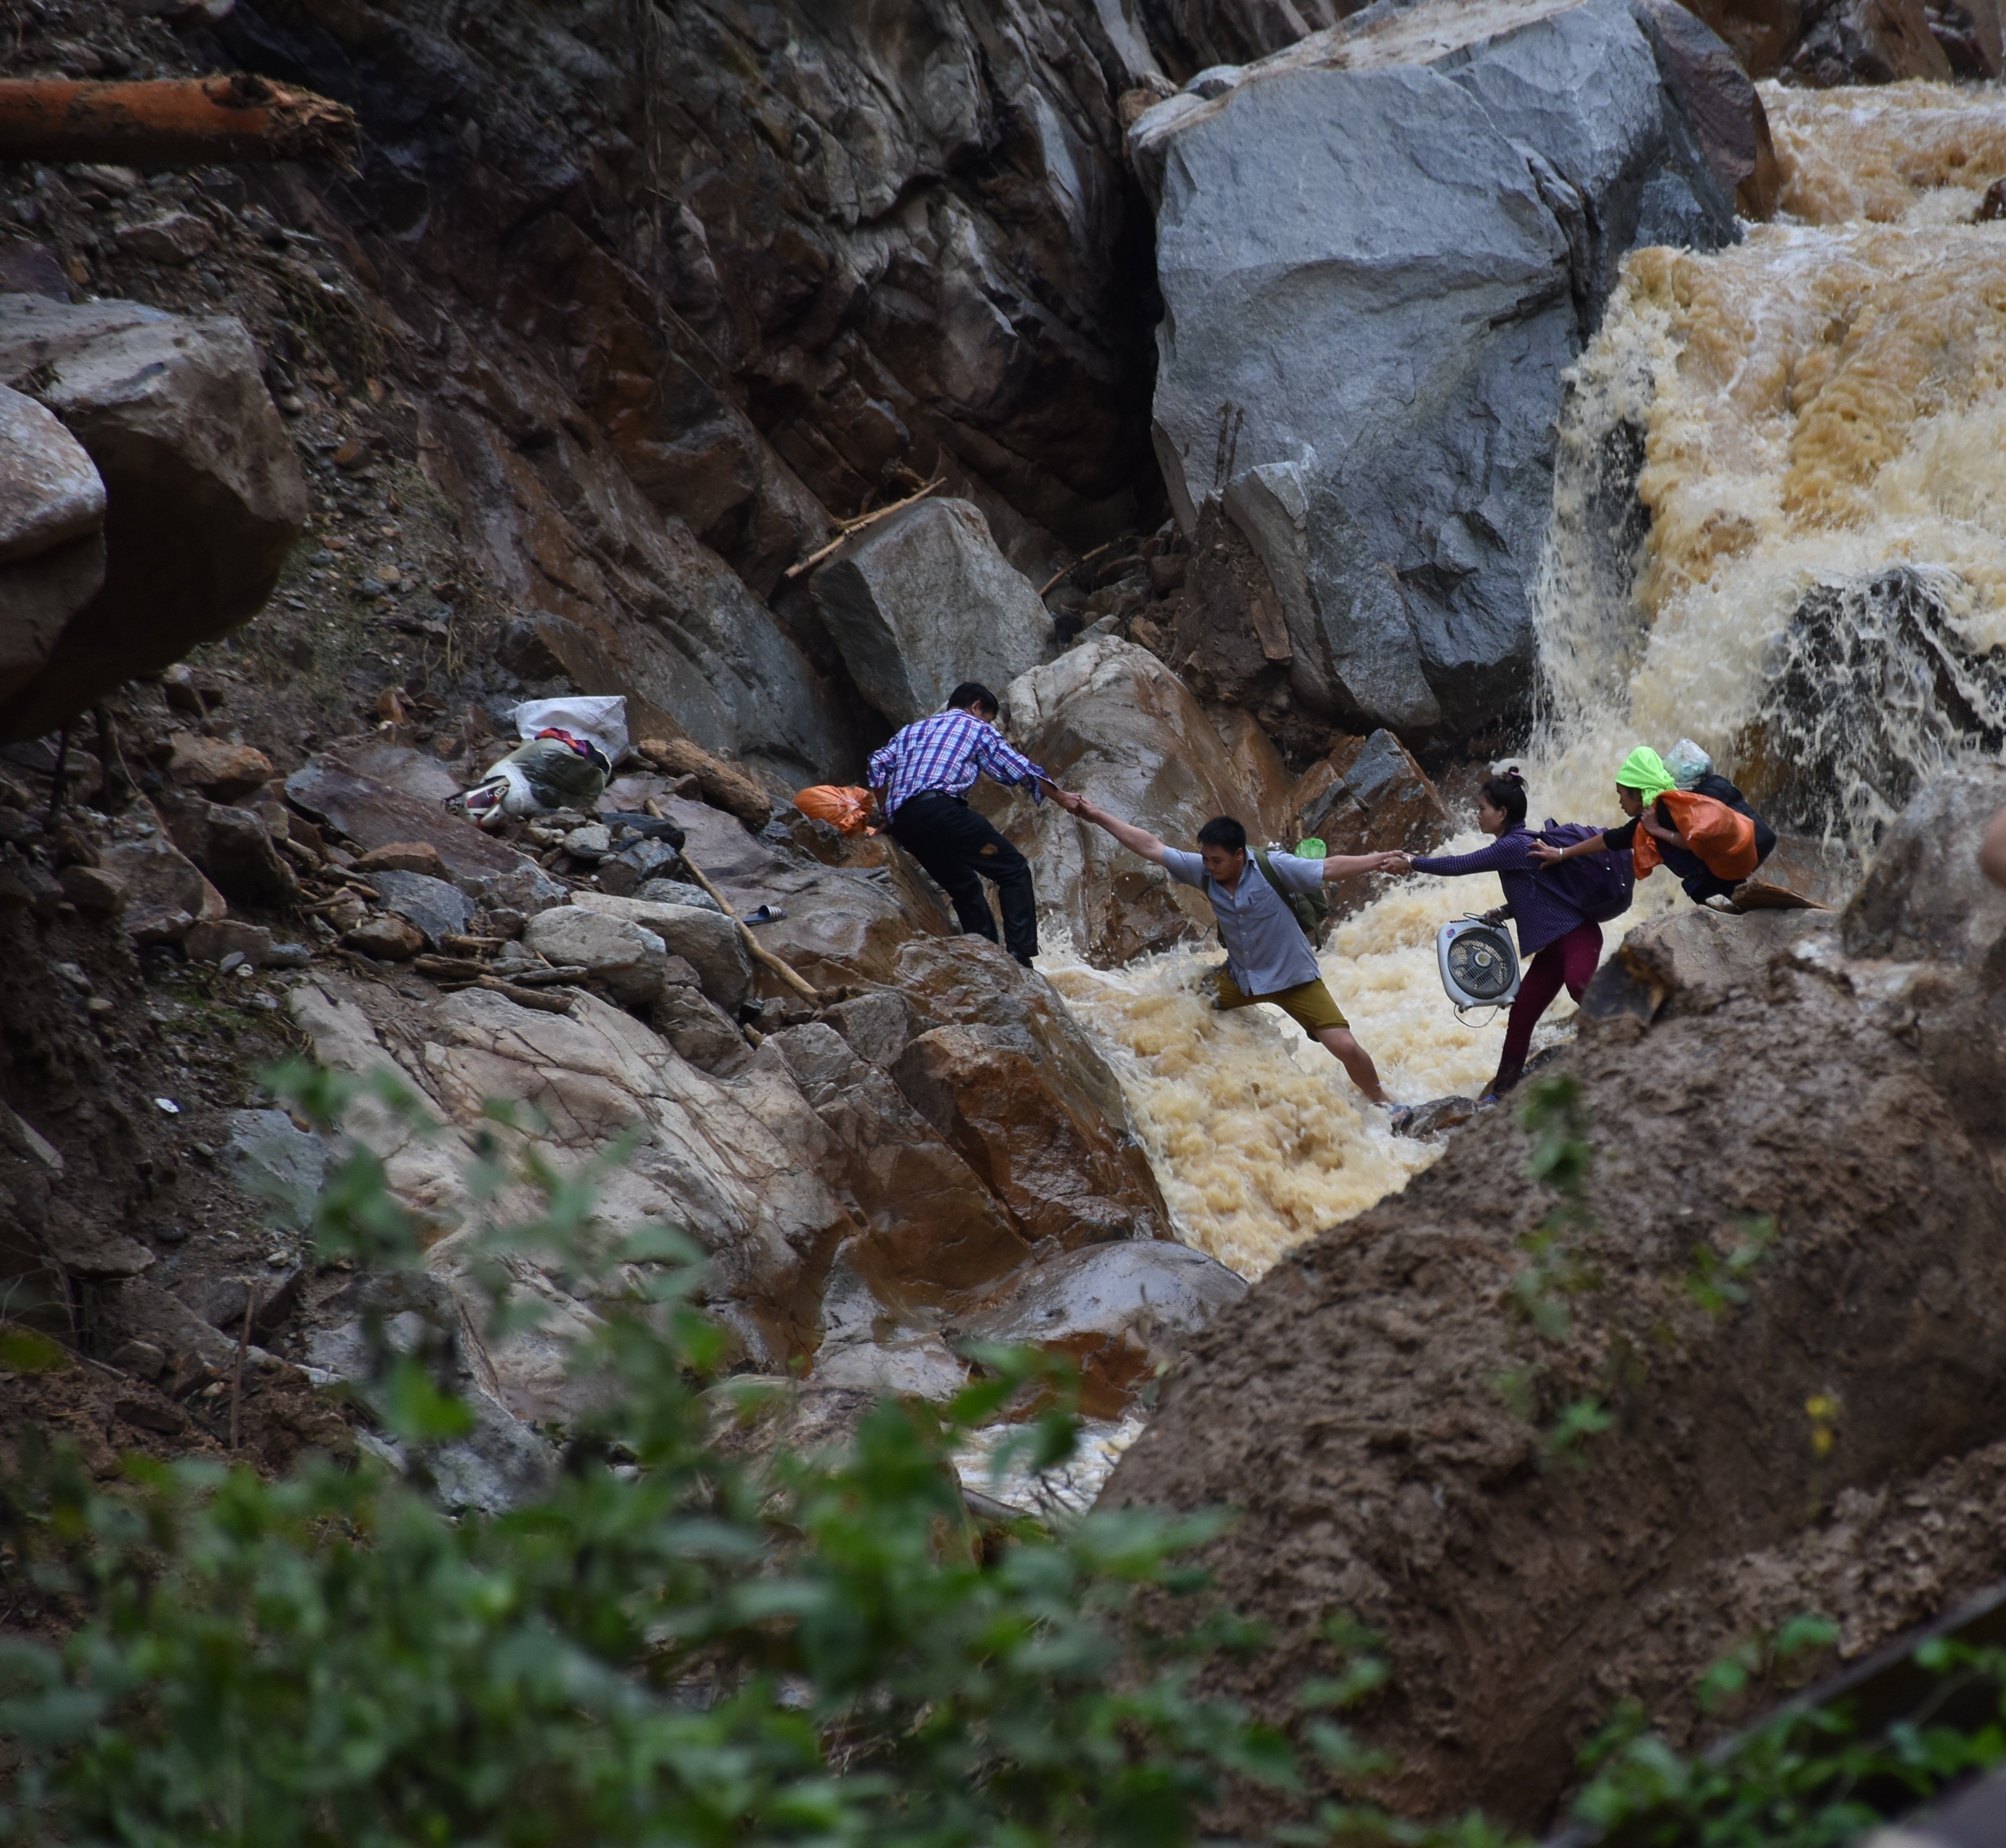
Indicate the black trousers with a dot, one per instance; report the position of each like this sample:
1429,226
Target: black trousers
959,849
1699,881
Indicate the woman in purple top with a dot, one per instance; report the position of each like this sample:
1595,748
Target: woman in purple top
1561,947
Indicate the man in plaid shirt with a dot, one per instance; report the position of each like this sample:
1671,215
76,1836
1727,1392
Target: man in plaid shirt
923,776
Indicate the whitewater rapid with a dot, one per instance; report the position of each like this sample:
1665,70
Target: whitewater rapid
1820,401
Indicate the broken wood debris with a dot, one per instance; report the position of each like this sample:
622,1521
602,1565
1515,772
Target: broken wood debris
846,529
544,1001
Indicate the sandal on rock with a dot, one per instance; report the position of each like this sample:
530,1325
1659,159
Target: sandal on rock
1400,1117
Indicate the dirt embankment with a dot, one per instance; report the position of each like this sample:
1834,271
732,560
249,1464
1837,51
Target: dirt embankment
1822,1445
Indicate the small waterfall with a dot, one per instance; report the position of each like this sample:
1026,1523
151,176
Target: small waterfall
1780,517
1779,528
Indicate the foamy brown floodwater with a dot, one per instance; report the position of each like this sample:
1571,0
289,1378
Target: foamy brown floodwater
1258,1138
1820,401
1824,400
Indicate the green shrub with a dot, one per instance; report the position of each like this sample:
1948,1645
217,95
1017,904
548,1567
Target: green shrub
673,1646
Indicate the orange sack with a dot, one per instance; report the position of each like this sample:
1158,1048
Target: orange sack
1723,838
845,809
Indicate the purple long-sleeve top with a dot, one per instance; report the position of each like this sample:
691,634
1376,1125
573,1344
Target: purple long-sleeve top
1542,915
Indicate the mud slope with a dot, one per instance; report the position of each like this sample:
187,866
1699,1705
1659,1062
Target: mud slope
1350,1407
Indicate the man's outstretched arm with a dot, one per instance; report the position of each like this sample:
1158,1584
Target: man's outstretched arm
1349,866
1137,840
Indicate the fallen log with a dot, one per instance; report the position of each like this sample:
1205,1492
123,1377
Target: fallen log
173,121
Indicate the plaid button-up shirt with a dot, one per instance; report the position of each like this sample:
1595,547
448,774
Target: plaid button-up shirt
946,752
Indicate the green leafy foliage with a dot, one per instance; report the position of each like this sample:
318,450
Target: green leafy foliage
1805,1777
1715,1282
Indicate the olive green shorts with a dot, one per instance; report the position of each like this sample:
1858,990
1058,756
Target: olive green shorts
1309,1004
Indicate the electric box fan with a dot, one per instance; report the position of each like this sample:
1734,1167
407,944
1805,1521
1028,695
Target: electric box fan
1479,968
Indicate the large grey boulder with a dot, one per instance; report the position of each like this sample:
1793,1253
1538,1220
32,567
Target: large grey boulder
50,491
1923,895
925,601
204,495
1378,251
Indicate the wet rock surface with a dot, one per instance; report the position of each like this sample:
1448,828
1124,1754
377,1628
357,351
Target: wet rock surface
1122,1311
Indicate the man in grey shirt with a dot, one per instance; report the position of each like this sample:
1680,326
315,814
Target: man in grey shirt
1267,958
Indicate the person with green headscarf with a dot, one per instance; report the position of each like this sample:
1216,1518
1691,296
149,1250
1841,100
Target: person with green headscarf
1643,784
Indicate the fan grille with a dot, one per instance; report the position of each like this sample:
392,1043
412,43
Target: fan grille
1480,968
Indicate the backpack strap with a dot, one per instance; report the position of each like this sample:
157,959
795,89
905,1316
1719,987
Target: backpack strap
1300,907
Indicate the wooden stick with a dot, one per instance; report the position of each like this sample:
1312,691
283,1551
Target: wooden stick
848,529
760,953
172,122
243,1348
1084,558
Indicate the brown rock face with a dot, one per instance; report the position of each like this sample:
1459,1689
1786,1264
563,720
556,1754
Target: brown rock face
1868,41
1344,1404
1721,104
1058,1172
1827,42
1973,34
1007,1077
933,1227
222,772
1371,796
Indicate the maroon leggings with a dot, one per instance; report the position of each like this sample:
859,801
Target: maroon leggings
1568,962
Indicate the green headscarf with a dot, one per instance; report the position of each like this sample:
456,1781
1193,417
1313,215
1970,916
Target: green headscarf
1644,771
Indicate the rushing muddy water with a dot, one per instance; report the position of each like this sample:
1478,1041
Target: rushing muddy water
1823,401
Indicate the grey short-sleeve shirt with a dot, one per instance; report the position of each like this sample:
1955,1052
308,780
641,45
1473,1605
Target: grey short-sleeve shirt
1265,949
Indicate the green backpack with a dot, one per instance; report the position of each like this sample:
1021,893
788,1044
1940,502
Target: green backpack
1311,908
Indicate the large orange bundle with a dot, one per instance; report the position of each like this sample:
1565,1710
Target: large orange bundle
846,809
1723,838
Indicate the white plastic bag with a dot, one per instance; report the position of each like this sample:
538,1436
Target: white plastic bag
599,718
1688,763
